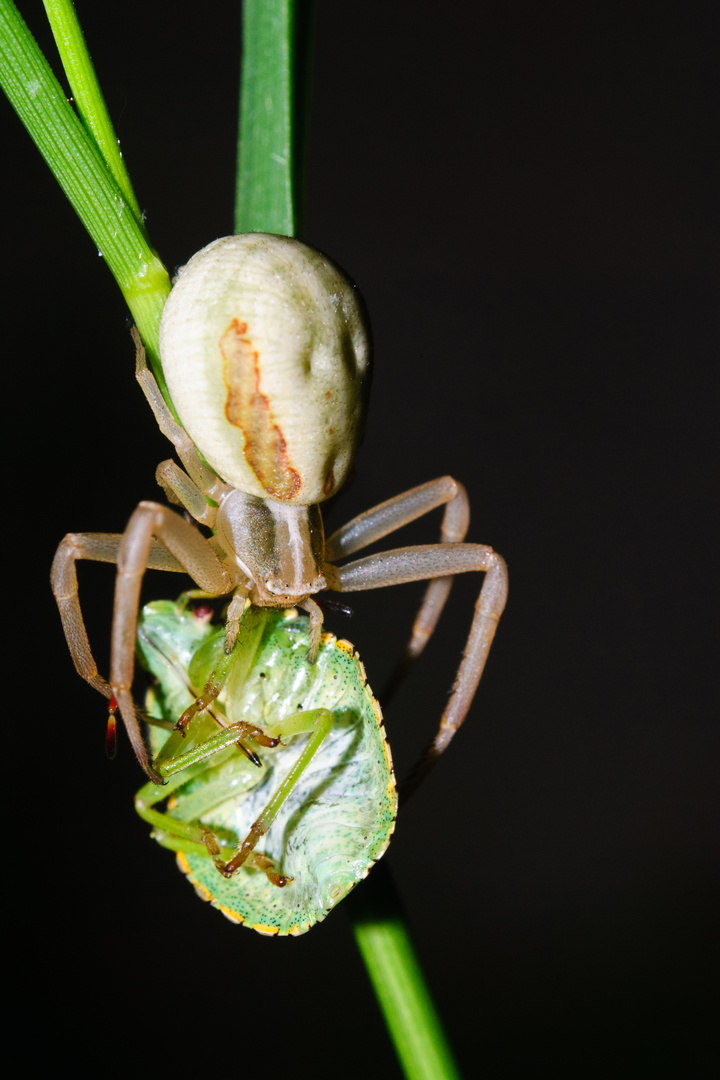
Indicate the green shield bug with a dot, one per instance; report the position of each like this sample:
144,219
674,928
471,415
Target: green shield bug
323,787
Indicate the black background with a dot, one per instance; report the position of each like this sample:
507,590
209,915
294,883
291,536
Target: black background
524,193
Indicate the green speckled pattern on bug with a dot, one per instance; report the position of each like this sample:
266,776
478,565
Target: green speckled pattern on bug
338,819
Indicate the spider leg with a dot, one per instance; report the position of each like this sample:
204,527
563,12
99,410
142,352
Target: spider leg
316,624
98,547
182,491
234,614
386,518
194,554
438,561
204,478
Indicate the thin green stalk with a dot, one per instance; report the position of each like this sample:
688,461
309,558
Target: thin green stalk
272,99
86,91
79,167
272,111
386,947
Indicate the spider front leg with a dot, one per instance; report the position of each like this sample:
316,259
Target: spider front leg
155,538
438,561
196,556
97,547
386,518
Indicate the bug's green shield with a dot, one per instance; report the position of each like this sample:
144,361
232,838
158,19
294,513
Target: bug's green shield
339,817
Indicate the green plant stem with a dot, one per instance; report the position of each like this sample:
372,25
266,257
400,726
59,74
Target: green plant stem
86,91
386,947
272,127
78,166
272,98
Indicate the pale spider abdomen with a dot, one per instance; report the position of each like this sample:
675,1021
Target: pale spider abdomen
266,354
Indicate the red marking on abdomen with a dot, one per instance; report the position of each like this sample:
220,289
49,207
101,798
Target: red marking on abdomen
248,409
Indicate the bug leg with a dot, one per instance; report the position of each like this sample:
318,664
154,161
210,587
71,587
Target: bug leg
262,862
233,666
386,518
317,721
171,832
190,838
433,561
247,640
186,836
253,858
170,761
201,703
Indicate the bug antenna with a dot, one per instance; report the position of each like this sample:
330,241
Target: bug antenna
336,607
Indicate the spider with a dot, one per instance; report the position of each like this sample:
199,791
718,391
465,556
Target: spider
265,350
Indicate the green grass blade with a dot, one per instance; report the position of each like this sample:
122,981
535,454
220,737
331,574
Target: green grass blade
86,91
387,950
272,113
79,168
